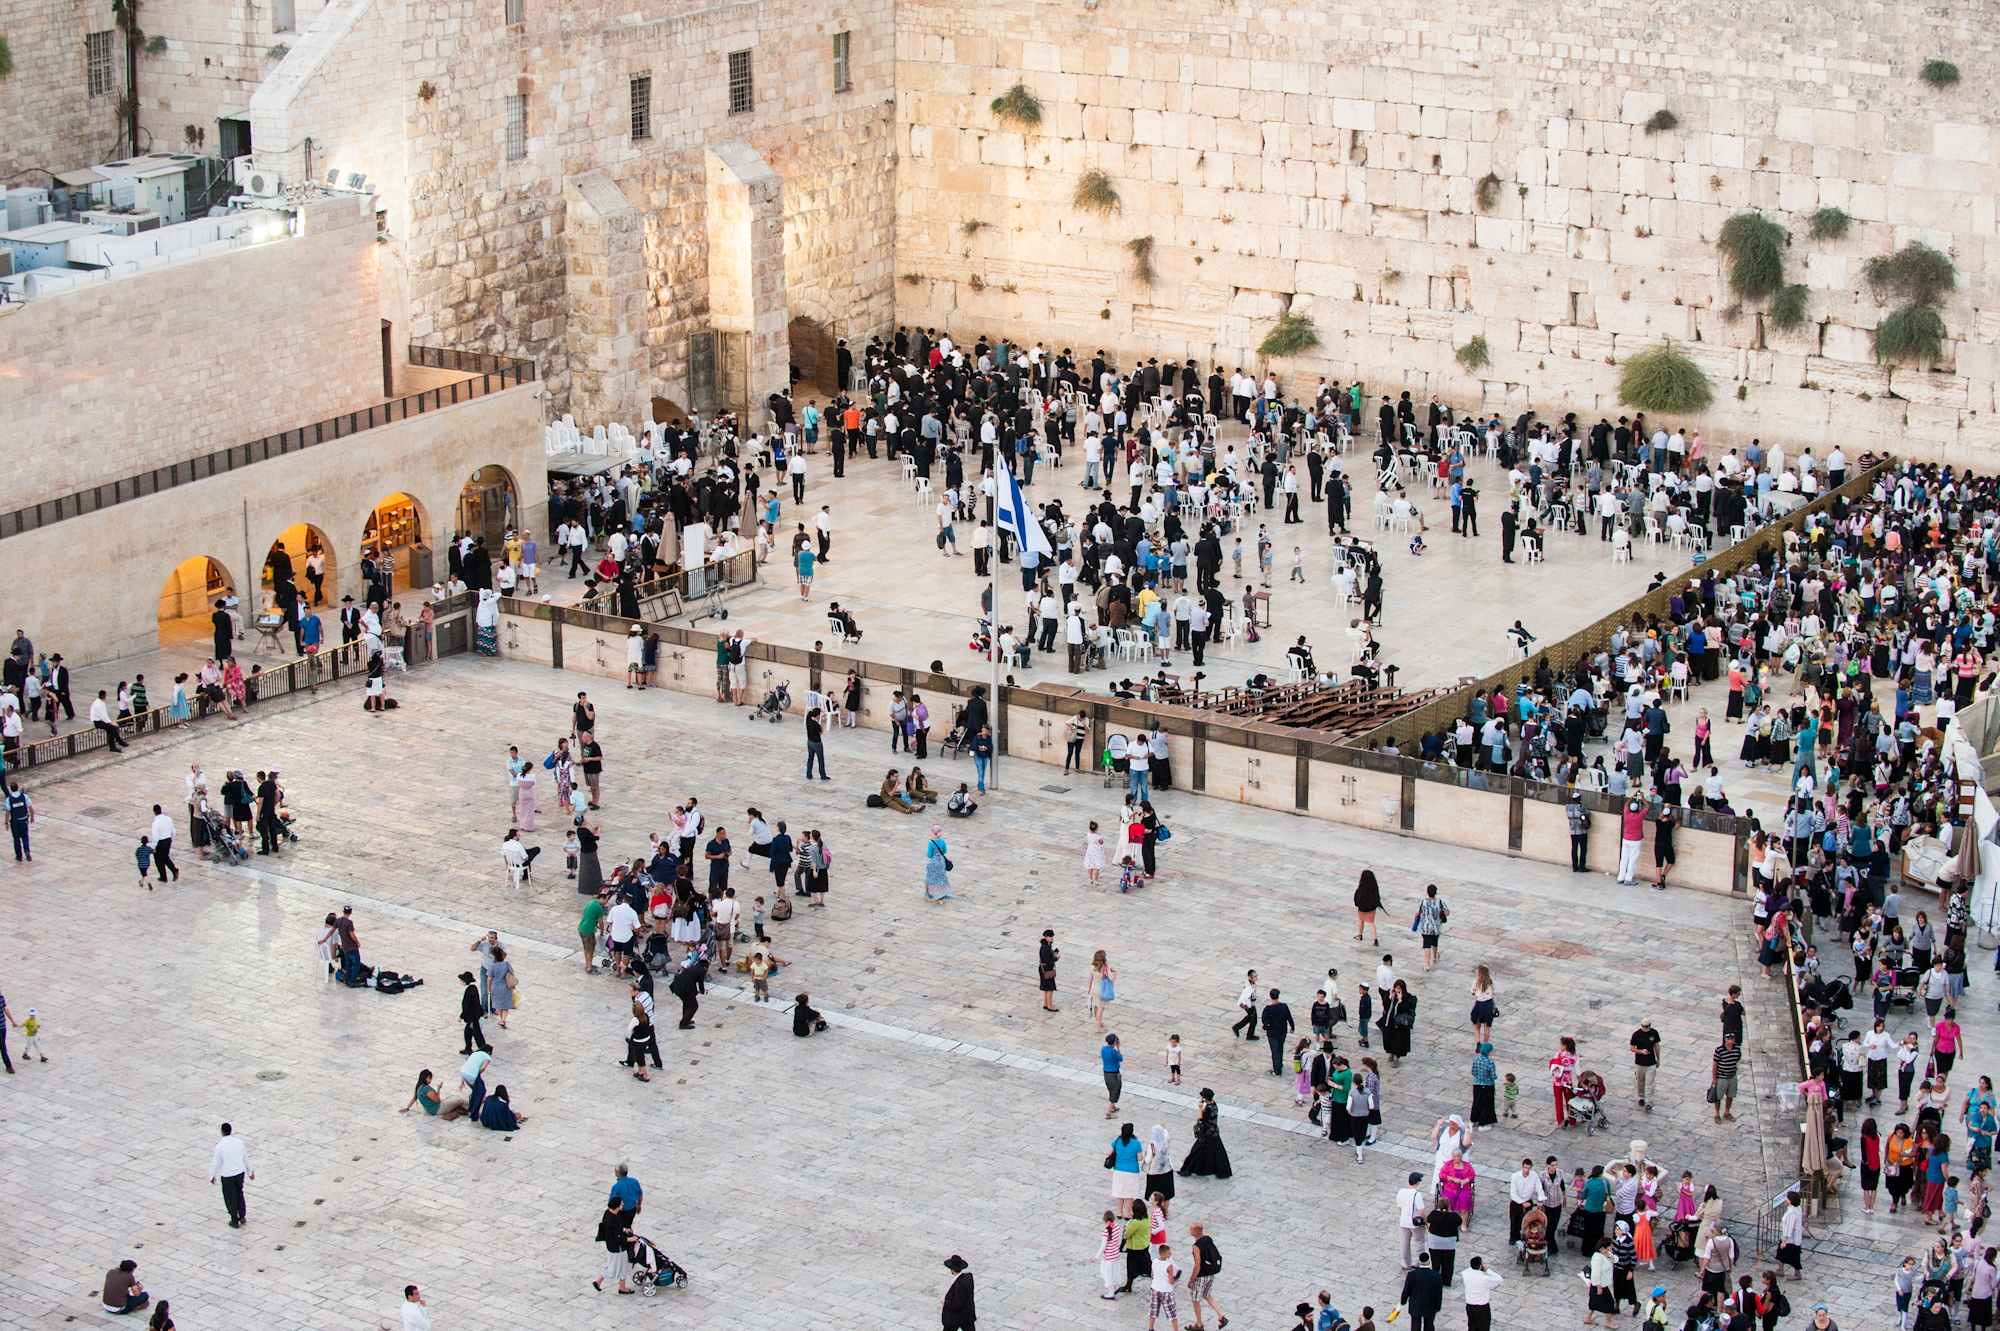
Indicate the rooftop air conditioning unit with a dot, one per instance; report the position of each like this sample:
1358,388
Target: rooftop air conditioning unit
357,181
256,180
333,178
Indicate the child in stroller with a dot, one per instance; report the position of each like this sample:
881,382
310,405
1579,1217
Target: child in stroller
652,1268
1585,1106
224,843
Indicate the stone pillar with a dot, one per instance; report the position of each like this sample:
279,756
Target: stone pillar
746,265
605,279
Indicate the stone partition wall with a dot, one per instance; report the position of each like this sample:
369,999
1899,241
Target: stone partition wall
117,377
1329,159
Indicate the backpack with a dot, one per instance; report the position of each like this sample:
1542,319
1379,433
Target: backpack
781,909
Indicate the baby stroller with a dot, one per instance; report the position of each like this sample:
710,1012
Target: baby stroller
958,741
652,1268
1534,1240
1904,995
287,825
1585,1106
776,704
224,843
1680,1240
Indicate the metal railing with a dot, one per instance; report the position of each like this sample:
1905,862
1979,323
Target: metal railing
1407,730
451,634
667,597
494,373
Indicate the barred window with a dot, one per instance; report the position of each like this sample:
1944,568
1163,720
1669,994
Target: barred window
97,48
516,12
642,106
742,92
517,127
842,78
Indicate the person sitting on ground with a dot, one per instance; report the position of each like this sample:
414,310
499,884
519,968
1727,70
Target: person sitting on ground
961,804
892,794
844,618
497,1114
918,788
122,1291
806,1020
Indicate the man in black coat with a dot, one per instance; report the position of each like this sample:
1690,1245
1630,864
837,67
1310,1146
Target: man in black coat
1278,1024
225,629
470,1010
1510,523
958,1310
685,986
1423,1294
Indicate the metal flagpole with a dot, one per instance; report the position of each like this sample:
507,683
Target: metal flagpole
1000,499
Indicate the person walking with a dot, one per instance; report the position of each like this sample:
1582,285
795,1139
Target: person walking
937,867
20,814
1399,1019
1101,987
470,1012
501,983
1367,900
1410,1210
1431,918
1110,1256
1646,1061
230,1165
1278,1026
1046,965
163,844
1247,1002
1723,1065
1602,1299
816,743
958,1311
1201,1281
1423,1294
1484,1008
1208,1155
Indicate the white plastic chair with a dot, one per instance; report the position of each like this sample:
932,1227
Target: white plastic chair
836,631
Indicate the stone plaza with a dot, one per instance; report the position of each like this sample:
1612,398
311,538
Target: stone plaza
801,1182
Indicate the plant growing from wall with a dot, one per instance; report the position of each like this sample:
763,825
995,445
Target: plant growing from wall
1829,223
1474,355
1018,106
1788,307
1663,380
156,45
1920,277
1094,193
1292,335
972,226
1755,248
1939,73
277,51
1661,121
1142,260
1487,192
6,58
426,90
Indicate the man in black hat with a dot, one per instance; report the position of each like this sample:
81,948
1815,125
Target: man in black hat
958,1312
1423,1294
470,1010
350,622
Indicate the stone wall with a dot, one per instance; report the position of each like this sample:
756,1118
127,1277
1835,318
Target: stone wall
48,119
1329,159
105,604
485,236
117,377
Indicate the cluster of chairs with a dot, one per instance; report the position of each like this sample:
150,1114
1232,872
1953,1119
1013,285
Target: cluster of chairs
564,437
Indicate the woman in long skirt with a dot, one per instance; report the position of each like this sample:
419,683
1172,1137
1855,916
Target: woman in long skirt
1398,1017
1208,1155
525,799
614,1231
1359,1098
1339,1087
1371,1072
936,876
589,874
1157,1163
1484,1076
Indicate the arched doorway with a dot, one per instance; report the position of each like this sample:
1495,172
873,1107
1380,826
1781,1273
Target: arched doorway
489,505
393,536
813,359
668,412
302,551
187,601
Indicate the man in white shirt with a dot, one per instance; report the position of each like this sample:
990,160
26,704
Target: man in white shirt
624,923
100,716
1410,1209
414,1317
1479,1286
1524,1189
163,843
230,1165
1385,978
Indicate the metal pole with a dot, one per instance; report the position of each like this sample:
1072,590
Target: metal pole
993,624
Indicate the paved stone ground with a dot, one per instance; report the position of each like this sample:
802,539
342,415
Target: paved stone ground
802,1183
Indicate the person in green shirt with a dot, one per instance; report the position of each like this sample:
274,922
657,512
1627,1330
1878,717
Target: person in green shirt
1138,1248
722,668
426,1094
586,929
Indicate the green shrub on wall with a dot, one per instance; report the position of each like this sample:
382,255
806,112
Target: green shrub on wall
1474,355
1141,248
1018,106
1829,223
1665,381
1095,193
1292,335
1788,307
1755,248
1913,335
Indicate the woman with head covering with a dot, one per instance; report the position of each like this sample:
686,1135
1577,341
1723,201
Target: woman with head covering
1484,1076
1208,1155
1157,1163
937,867
1127,1182
1449,1135
1399,1017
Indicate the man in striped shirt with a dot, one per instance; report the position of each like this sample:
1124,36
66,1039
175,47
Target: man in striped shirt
1722,1076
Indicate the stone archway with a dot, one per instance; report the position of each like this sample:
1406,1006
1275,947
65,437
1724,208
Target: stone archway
812,355
188,597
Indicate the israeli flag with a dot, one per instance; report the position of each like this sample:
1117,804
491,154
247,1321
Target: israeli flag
1010,513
